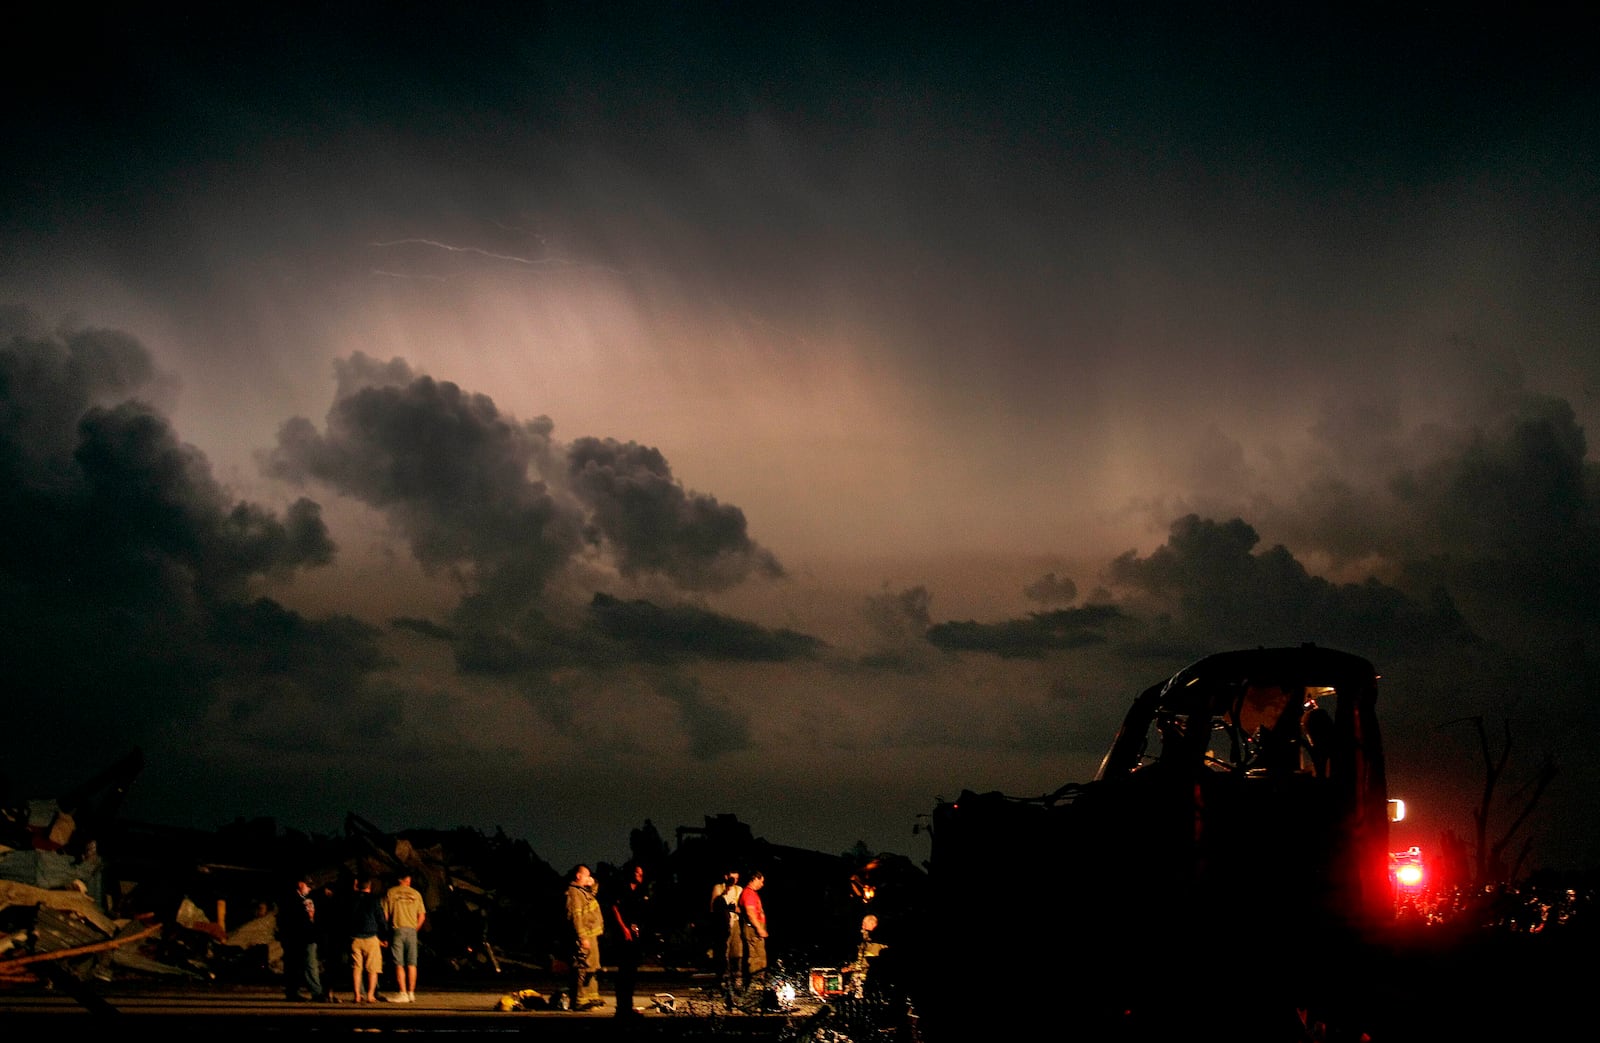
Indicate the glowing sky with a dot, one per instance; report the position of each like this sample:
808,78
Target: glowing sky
551,417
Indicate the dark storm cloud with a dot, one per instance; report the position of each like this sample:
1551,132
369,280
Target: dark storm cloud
656,525
489,638
174,525
1515,515
1503,513
50,378
1207,588
327,657
658,634
448,469
425,627
1032,637
108,503
1050,590
125,567
498,502
528,643
1221,594
505,509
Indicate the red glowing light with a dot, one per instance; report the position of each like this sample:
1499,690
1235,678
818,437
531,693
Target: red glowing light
1406,866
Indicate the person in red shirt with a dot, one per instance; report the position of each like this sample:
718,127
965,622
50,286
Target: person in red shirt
755,931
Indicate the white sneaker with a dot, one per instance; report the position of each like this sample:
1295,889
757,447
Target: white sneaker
411,997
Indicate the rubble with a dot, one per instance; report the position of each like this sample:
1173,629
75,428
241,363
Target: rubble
200,905
52,892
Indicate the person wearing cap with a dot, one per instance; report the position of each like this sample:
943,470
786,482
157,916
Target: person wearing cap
297,932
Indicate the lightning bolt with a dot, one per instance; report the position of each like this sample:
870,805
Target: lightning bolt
529,262
404,275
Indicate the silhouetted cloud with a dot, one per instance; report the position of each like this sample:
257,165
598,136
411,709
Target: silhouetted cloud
425,627
1513,516
656,633
1041,632
126,568
534,642
498,502
1497,510
1221,594
655,525
453,474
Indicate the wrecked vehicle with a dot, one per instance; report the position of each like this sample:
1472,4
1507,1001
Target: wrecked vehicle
1226,867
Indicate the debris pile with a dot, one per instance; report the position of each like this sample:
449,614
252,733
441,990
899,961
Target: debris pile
50,905
94,895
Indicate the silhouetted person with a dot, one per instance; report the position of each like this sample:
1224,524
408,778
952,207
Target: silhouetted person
627,915
297,931
1317,727
368,937
867,950
729,928
333,936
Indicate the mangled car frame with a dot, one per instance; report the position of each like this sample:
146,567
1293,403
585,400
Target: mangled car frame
1229,856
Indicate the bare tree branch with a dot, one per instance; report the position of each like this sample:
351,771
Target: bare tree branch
1489,860
1546,775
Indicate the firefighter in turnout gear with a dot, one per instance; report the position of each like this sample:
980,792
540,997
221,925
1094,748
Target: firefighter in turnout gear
585,922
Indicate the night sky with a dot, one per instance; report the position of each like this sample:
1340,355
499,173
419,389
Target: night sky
553,416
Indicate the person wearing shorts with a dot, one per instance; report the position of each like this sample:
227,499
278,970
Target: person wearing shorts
368,936
404,913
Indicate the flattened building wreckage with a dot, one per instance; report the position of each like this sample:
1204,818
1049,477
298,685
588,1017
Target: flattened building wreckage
87,895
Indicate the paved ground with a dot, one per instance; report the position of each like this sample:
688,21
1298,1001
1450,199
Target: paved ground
666,1008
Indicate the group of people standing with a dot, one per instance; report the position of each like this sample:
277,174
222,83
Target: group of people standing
370,926
738,907
367,923
624,910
